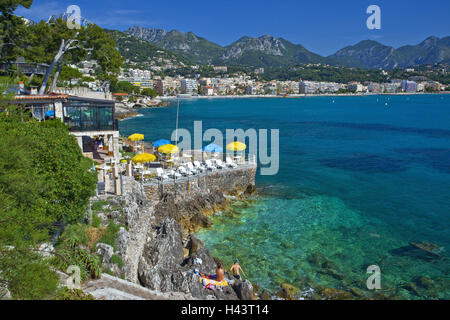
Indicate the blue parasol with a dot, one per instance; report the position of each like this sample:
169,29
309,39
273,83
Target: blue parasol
212,148
160,143
50,113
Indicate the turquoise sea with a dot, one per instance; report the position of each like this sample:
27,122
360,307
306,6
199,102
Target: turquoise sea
360,178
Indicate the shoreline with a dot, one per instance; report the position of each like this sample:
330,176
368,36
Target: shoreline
294,96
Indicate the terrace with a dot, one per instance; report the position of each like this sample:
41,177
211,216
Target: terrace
190,165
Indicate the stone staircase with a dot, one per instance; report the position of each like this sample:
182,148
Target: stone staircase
112,288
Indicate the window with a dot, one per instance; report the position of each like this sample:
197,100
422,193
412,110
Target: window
86,116
105,118
89,118
72,117
39,110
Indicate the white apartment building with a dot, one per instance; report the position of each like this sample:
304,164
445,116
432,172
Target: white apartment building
189,86
391,87
309,87
142,74
355,86
329,87
375,87
220,68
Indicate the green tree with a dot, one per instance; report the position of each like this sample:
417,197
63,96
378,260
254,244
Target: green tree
104,51
122,87
12,29
55,44
69,73
43,179
149,92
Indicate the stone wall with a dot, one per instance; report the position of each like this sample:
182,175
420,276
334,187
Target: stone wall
191,201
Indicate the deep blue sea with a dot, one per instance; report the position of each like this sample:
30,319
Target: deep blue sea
360,178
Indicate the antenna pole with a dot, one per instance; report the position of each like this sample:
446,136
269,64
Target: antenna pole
176,131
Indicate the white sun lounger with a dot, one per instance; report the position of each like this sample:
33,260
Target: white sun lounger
198,166
160,174
190,168
185,172
209,165
173,174
231,163
220,164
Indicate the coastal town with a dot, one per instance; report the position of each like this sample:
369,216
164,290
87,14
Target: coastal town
245,85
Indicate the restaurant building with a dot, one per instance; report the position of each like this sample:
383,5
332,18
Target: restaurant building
89,120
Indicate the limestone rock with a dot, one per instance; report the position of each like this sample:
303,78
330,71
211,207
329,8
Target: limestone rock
194,244
208,264
46,249
122,240
105,251
4,294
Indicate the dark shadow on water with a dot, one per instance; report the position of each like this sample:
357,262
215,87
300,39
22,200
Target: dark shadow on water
369,163
428,132
413,252
436,158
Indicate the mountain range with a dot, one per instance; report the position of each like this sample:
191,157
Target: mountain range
269,51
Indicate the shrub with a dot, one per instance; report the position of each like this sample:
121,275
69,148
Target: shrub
98,206
72,294
117,260
96,221
94,235
89,264
75,235
111,234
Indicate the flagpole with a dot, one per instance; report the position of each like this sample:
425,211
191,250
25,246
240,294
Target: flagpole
176,131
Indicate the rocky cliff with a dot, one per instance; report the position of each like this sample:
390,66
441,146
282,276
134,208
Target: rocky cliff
160,251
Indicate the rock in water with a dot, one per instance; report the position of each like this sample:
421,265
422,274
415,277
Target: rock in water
428,247
288,292
411,287
244,290
251,190
335,294
265,295
424,282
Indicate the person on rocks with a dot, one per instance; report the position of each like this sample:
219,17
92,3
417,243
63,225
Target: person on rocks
220,273
235,268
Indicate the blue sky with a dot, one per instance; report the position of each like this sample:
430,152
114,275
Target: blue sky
321,26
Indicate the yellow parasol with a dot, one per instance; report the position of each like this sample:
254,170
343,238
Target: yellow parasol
236,146
168,149
143,158
136,137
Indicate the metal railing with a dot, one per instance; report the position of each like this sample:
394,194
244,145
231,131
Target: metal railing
150,177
